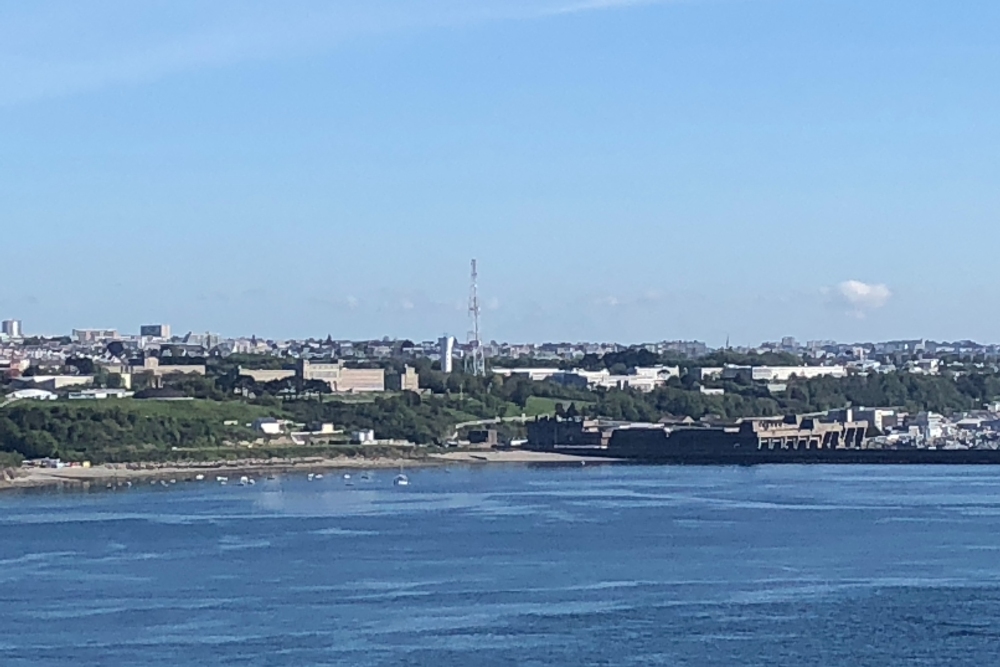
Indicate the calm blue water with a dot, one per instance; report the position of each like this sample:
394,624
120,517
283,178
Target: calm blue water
513,566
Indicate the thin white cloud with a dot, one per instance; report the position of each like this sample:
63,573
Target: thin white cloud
644,299
592,5
54,49
861,298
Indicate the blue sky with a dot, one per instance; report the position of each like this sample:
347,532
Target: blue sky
622,170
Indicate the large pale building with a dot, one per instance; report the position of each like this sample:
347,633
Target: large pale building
155,367
268,375
12,328
342,379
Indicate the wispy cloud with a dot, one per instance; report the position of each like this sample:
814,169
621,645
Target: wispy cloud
54,49
593,5
859,298
645,298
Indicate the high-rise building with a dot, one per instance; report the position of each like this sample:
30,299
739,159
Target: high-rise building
155,330
12,328
447,351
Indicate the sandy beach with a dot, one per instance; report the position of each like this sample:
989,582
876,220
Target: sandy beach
120,473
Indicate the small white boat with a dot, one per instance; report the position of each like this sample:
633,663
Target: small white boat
199,477
401,480
220,478
310,477
347,475
244,480
319,475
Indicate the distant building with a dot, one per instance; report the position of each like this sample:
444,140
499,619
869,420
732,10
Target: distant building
691,349
781,373
155,330
31,395
880,418
268,426
447,351
95,335
341,379
642,379
929,424
925,366
533,374
484,437
264,376
12,328
52,382
365,437
99,394
408,380
155,367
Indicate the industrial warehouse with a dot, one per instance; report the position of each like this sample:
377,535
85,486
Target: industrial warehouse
836,437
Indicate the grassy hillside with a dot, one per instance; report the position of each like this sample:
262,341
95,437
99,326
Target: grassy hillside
122,430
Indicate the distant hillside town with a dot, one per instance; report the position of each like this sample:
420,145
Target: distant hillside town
97,394
56,362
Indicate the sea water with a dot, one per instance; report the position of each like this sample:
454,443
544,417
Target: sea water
596,565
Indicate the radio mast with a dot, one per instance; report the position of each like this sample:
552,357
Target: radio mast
476,363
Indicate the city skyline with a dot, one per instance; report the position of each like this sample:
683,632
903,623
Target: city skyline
622,170
163,333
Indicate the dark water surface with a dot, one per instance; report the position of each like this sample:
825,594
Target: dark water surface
605,565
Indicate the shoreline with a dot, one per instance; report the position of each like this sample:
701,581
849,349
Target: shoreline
121,474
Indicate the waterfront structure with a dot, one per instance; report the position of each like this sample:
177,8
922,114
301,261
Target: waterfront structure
12,328
879,418
770,439
363,437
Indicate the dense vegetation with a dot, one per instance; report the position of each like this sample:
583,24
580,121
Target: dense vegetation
120,430
900,390
10,459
